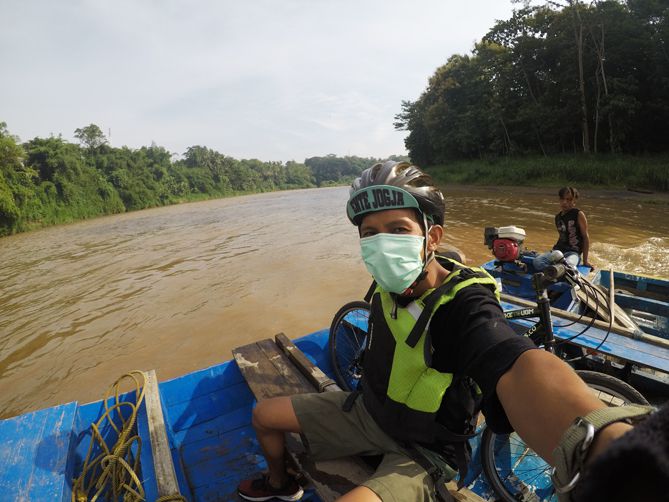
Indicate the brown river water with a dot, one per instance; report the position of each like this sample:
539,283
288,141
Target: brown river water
177,288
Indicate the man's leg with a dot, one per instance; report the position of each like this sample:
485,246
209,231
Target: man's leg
542,260
271,419
399,478
572,258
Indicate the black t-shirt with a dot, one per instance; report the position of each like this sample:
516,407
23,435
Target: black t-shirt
470,337
570,238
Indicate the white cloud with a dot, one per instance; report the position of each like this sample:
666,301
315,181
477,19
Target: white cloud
265,79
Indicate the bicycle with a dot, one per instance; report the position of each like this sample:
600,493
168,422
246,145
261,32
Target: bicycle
513,470
348,337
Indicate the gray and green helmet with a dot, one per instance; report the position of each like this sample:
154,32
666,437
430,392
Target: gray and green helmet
395,185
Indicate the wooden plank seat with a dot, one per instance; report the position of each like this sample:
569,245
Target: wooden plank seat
279,368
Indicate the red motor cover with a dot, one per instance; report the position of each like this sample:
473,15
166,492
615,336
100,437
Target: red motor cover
505,249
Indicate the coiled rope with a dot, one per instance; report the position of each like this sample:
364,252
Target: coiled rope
112,473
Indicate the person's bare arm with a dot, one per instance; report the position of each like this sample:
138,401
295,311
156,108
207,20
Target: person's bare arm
542,396
583,225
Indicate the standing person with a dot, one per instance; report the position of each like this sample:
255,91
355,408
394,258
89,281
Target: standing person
573,237
438,351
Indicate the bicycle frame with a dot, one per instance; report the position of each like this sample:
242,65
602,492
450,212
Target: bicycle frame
544,327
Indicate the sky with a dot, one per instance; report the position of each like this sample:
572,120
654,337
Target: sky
273,80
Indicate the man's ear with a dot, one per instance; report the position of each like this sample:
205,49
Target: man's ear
434,236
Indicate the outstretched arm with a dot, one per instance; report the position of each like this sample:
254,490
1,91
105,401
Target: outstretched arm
583,225
542,396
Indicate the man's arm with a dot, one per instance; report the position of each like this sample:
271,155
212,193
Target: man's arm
583,225
542,396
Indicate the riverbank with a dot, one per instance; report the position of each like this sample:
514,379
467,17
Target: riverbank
618,173
449,188
590,192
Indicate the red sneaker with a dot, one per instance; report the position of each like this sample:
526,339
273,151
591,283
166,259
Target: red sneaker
260,489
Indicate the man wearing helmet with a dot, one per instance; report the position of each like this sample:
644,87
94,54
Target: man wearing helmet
438,351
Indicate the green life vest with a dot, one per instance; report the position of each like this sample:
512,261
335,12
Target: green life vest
400,388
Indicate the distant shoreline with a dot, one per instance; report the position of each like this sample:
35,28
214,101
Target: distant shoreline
595,193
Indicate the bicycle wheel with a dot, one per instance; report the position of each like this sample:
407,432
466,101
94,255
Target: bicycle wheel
515,472
348,336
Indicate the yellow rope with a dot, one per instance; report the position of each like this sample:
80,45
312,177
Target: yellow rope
113,470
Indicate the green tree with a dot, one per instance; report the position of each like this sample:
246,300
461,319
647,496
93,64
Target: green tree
91,137
13,179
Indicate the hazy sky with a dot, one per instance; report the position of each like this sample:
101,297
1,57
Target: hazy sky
273,80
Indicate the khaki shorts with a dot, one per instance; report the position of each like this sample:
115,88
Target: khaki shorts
332,433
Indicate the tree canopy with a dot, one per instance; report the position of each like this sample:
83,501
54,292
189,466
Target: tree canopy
557,77
90,136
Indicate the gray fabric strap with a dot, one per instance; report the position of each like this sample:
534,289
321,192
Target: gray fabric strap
572,450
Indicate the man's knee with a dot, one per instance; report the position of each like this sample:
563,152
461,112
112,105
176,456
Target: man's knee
260,413
541,261
573,259
275,414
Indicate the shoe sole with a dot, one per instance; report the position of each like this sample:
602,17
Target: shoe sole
288,498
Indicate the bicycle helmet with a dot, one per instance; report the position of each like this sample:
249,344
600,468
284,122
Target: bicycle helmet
395,185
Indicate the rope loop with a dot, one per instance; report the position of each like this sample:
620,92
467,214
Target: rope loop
112,471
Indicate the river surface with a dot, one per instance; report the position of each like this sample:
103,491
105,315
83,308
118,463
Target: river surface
177,288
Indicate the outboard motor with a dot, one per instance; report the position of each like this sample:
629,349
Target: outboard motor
506,243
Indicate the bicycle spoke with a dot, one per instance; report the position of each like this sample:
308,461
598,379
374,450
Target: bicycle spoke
348,336
517,473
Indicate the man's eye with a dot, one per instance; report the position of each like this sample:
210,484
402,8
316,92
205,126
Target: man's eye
367,233
400,230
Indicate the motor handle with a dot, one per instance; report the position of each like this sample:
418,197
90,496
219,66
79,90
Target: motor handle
555,272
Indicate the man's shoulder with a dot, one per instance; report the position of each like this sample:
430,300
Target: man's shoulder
472,294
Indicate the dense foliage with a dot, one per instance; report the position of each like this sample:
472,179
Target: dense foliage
559,77
49,180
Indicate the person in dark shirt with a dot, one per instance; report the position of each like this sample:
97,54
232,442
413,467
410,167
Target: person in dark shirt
573,236
438,351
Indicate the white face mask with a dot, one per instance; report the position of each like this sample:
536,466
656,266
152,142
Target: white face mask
394,260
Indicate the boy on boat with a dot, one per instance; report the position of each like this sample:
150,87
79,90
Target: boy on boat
438,352
573,237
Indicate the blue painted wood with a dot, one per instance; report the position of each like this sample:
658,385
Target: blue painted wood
235,419
34,451
647,305
644,354
185,388
207,407
517,280
638,282
146,456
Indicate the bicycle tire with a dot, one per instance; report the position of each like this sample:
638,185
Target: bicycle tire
348,336
515,472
